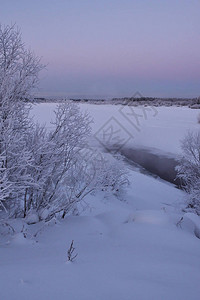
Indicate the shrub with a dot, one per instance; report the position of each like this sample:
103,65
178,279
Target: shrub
189,169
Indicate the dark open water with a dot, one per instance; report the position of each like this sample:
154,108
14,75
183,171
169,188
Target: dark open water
157,165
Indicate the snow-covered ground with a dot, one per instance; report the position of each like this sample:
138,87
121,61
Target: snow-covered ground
158,129
126,250
142,248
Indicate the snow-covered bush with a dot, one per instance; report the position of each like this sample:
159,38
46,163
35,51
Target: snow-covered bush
189,169
64,170
43,172
55,154
92,173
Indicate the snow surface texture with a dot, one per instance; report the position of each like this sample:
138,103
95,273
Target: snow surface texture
144,248
158,129
138,249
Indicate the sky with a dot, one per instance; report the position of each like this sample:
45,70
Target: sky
111,48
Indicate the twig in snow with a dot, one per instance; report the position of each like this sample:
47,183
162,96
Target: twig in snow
70,256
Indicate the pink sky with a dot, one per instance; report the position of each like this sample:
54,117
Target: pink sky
114,48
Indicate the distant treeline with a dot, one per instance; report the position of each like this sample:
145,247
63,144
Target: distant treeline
132,101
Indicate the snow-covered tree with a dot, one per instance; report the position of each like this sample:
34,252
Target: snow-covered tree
5,185
90,172
54,155
19,70
65,170
43,171
189,169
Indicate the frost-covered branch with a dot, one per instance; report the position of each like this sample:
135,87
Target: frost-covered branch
189,169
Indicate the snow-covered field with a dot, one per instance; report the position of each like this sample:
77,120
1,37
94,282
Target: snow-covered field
158,129
142,248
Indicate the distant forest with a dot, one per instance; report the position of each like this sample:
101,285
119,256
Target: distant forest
133,101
